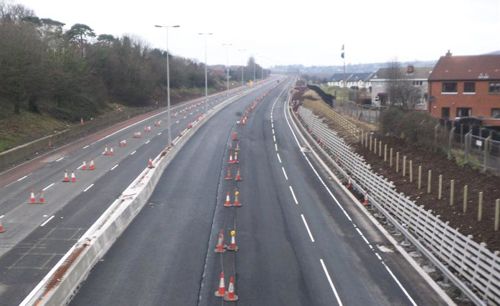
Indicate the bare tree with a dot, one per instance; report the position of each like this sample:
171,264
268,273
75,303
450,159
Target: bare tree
400,90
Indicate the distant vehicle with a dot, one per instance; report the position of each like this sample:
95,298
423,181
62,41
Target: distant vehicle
467,122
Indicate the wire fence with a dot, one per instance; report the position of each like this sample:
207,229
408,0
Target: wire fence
471,266
360,112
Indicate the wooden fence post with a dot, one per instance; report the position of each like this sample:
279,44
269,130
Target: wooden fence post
480,206
429,181
380,148
404,165
397,161
466,189
497,214
452,192
370,143
390,158
385,152
411,171
440,186
419,183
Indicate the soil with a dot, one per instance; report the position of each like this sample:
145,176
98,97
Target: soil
466,223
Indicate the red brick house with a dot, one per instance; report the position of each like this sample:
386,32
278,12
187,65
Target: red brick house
464,86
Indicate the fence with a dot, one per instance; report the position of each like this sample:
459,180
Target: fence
471,266
361,112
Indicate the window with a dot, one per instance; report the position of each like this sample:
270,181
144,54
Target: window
445,112
449,87
495,113
417,83
464,112
494,87
469,87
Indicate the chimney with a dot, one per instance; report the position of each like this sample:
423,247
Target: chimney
448,54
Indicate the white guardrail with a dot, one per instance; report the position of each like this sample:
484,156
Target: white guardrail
471,266
63,280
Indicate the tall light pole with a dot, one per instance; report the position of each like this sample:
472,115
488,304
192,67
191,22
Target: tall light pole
242,69
166,27
254,69
206,69
227,45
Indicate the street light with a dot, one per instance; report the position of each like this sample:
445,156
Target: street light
206,69
166,27
227,45
242,69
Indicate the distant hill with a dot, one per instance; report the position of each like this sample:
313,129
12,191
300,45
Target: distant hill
329,70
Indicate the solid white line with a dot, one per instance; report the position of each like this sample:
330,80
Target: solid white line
114,167
133,153
22,178
59,159
276,147
147,141
284,173
90,186
331,283
86,146
48,187
307,227
293,195
399,284
279,158
46,221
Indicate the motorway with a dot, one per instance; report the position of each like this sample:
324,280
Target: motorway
38,235
301,240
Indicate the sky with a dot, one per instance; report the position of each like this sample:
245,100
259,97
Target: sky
280,32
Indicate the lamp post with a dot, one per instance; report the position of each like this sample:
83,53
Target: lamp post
166,27
242,69
227,45
206,69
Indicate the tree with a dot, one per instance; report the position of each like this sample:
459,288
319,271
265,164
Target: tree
400,90
79,34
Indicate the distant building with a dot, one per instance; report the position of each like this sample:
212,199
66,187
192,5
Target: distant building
418,76
464,86
352,80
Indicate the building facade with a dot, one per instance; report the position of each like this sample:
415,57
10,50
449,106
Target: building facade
466,86
416,76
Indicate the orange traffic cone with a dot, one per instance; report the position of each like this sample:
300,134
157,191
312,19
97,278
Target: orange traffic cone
41,199
32,198
228,201
235,160
236,199
150,164
92,166
229,175
73,177
2,229
234,136
365,200
222,288
238,176
220,248
84,166
232,246
231,160
66,177
230,296
237,146
111,152
106,151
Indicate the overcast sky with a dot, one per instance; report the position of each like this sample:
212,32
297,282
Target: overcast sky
308,32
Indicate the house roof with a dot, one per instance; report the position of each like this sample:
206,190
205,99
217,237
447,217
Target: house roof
418,73
351,77
472,67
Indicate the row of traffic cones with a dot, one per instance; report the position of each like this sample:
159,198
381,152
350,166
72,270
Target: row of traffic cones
90,167
220,247
229,175
108,152
67,179
229,295
33,200
233,160
236,203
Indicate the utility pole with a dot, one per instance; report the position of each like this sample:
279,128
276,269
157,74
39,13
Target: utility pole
227,45
206,70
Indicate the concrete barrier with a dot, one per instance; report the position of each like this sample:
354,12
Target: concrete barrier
62,282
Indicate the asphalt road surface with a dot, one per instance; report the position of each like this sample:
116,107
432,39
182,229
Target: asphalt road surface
38,235
301,240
